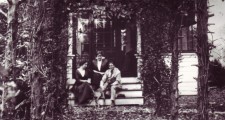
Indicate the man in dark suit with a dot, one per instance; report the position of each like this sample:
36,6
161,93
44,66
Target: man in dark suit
99,66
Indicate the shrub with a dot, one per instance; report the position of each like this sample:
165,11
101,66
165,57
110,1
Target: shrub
216,74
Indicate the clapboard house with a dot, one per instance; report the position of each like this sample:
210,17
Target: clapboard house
121,42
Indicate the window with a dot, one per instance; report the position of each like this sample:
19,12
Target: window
103,34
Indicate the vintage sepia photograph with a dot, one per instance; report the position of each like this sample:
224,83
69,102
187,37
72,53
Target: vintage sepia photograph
112,59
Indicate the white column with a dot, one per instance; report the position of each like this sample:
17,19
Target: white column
138,56
70,55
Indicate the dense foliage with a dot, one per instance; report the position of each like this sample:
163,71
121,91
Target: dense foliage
154,71
3,25
41,57
216,74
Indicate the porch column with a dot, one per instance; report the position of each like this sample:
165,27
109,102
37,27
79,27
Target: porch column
70,54
138,55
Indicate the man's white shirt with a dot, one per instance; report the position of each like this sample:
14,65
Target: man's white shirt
99,63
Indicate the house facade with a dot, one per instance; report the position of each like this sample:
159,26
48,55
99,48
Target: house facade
121,42
118,41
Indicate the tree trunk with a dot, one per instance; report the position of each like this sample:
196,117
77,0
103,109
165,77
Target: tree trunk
174,74
36,77
12,28
203,58
10,48
49,51
36,95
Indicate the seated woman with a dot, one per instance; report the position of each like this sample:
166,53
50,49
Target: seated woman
82,89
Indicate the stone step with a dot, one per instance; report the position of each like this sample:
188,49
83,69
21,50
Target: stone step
135,86
130,80
121,101
127,94
133,93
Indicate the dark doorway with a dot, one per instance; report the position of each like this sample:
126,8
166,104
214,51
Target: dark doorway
116,39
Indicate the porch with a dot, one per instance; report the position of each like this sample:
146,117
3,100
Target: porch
121,44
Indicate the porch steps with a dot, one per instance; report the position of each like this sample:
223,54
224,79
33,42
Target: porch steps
127,94
132,94
118,101
130,80
129,86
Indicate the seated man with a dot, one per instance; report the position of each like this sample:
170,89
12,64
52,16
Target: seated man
111,80
99,66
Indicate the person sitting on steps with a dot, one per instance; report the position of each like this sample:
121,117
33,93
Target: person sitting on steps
82,88
99,66
111,80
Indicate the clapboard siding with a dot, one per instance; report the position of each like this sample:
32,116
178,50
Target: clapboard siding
188,71
188,92
187,88
187,84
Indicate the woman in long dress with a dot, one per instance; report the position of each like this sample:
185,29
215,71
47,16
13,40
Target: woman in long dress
82,89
